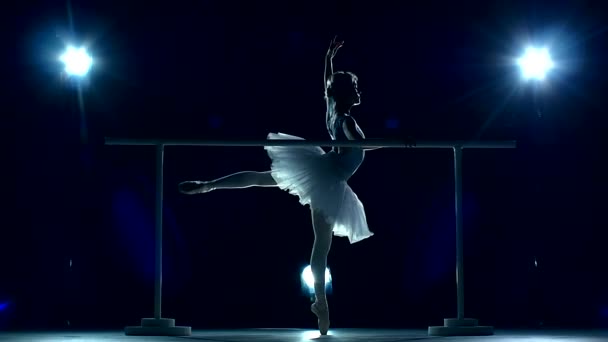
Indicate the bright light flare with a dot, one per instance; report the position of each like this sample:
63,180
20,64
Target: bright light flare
535,63
77,61
309,280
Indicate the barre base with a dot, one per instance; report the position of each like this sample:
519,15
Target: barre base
461,327
158,327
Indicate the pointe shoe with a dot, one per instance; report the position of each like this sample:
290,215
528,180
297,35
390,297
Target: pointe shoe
194,187
322,313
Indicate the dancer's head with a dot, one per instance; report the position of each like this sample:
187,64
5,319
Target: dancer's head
342,88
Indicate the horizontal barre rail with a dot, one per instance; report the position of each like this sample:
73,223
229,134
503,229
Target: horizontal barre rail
325,143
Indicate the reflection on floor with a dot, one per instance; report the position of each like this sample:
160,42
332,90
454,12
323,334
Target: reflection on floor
297,335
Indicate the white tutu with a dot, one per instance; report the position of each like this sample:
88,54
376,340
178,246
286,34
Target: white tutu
318,179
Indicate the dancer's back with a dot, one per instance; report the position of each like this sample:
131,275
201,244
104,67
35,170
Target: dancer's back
347,160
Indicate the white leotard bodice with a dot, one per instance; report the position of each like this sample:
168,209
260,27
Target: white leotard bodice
349,159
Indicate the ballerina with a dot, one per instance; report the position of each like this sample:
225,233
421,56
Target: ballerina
318,178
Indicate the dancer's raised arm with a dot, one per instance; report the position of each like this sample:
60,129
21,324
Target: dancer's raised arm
334,46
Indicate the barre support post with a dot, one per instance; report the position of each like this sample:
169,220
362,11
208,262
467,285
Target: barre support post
158,326
459,232
459,326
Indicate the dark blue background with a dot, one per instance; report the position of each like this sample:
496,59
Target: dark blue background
237,70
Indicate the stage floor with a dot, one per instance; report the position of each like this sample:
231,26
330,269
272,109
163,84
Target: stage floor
292,335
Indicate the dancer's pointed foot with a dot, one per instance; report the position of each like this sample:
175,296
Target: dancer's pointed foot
322,312
195,187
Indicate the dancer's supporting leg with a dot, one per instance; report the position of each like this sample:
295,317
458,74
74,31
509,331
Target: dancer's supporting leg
239,180
318,264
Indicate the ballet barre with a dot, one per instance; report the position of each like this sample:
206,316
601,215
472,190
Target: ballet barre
324,143
459,326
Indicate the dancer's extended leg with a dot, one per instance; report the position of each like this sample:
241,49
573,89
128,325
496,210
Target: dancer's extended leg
239,180
318,264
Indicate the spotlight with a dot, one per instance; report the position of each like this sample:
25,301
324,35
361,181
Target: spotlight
535,63
77,61
308,280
